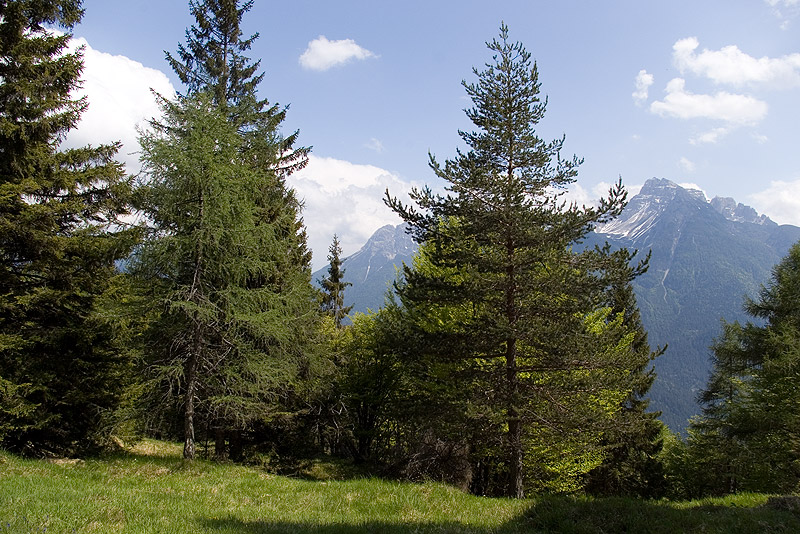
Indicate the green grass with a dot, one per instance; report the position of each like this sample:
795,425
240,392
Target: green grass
149,489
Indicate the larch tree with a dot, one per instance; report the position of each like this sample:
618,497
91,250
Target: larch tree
229,251
503,296
750,427
333,286
60,372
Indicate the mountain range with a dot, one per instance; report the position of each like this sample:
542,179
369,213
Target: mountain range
707,257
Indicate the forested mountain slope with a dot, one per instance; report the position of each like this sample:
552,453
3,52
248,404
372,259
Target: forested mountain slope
706,256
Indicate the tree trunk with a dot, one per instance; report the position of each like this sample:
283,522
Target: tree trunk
236,445
188,413
220,453
515,488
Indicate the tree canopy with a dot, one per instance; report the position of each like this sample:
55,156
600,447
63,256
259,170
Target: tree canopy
748,432
506,304
60,236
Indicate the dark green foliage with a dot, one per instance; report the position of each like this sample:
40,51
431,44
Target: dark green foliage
238,317
60,371
749,432
213,60
333,286
228,261
634,440
516,325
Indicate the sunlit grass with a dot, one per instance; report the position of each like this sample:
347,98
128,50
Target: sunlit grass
150,489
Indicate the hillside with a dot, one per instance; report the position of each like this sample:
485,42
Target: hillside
706,257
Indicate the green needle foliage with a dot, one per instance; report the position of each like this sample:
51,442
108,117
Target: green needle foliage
60,371
235,327
515,320
213,60
333,286
228,258
749,433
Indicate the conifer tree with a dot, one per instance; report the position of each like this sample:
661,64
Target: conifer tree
504,291
236,327
213,60
59,238
749,430
634,441
333,286
239,335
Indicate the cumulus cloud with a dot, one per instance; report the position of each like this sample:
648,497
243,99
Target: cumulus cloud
582,196
642,84
730,65
120,98
346,199
780,202
322,54
728,107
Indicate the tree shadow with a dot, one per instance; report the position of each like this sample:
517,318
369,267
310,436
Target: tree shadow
557,515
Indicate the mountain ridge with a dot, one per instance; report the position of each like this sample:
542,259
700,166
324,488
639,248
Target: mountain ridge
707,256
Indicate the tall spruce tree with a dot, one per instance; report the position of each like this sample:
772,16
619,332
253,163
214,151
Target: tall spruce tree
239,335
504,298
59,368
333,285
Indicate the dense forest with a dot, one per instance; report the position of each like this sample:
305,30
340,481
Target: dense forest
504,361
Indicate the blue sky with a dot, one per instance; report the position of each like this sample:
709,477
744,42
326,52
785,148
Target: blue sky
699,92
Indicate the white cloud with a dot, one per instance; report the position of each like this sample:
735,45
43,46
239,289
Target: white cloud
686,165
730,65
760,138
591,197
346,199
731,108
374,144
710,137
322,54
643,83
785,10
633,190
780,202
578,195
118,90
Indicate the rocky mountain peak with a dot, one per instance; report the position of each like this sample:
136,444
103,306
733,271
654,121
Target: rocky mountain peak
387,242
732,211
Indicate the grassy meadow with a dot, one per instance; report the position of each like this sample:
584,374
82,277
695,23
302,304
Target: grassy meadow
150,489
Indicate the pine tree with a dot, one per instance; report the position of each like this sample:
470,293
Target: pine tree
504,290
60,372
213,60
333,286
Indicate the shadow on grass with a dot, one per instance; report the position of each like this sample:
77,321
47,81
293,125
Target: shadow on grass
559,515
